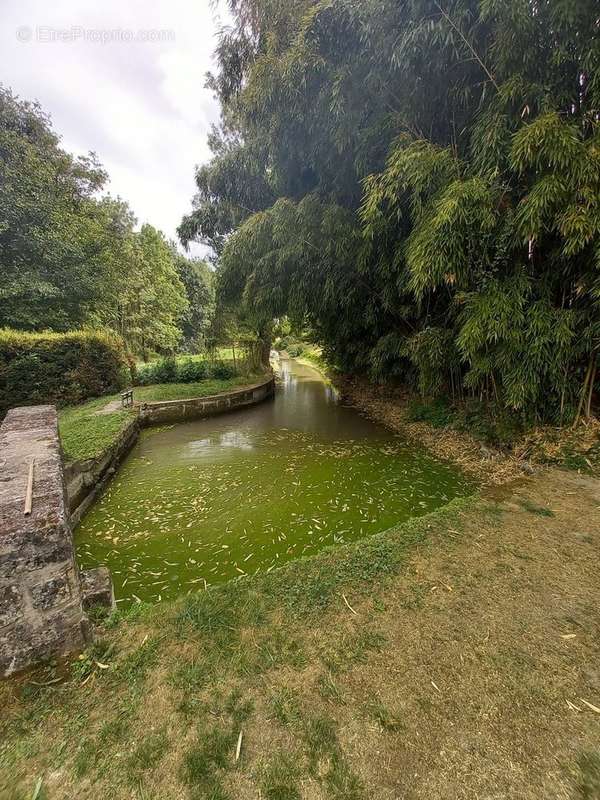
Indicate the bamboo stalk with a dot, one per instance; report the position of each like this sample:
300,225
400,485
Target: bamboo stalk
29,494
588,410
588,375
468,44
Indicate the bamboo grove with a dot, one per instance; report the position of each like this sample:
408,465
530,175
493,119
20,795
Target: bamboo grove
418,182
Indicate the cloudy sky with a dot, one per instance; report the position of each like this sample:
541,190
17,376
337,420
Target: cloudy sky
124,78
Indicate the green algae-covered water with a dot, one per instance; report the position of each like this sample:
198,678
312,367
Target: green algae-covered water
203,502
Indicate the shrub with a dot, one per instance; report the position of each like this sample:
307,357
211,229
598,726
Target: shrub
491,423
163,371
59,368
295,350
193,371
222,371
166,370
436,413
146,375
169,370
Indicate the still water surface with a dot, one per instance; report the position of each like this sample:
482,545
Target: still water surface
203,502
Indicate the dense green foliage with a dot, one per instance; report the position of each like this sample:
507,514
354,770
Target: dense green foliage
418,183
71,257
171,370
59,368
198,317
149,301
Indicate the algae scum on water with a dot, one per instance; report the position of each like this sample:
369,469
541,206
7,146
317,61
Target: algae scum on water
204,502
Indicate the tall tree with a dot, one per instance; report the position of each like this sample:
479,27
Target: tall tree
54,241
199,284
153,298
70,256
434,172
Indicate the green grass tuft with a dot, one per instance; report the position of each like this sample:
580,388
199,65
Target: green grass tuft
285,706
321,739
148,754
387,719
328,688
135,666
212,752
327,762
279,779
589,782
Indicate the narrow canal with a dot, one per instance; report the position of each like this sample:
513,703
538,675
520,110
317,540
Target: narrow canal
204,502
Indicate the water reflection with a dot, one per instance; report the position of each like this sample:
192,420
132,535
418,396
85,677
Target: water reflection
203,448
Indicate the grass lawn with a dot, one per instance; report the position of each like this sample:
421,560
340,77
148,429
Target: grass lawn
181,391
453,657
86,434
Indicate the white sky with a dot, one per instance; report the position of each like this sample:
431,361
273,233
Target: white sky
140,105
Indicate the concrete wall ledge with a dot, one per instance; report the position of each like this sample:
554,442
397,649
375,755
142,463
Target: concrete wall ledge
86,479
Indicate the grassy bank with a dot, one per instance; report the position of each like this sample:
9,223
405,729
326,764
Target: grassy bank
182,391
86,433
313,357
436,660
87,430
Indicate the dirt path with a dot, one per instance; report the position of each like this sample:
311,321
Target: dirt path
110,407
466,676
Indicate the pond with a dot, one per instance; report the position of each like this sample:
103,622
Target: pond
203,502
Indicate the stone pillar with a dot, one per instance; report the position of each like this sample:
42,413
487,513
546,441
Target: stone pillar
41,611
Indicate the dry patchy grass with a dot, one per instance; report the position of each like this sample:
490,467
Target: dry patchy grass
462,673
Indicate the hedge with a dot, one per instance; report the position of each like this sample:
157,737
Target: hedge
59,368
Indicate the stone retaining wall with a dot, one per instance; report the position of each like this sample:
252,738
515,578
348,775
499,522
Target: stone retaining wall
41,599
86,479
43,596
197,408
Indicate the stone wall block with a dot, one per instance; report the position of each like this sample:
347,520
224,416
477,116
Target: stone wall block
41,599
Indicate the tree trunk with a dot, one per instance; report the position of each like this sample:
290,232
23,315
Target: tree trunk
265,336
265,350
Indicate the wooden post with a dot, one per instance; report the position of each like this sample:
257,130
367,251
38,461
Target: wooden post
29,495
